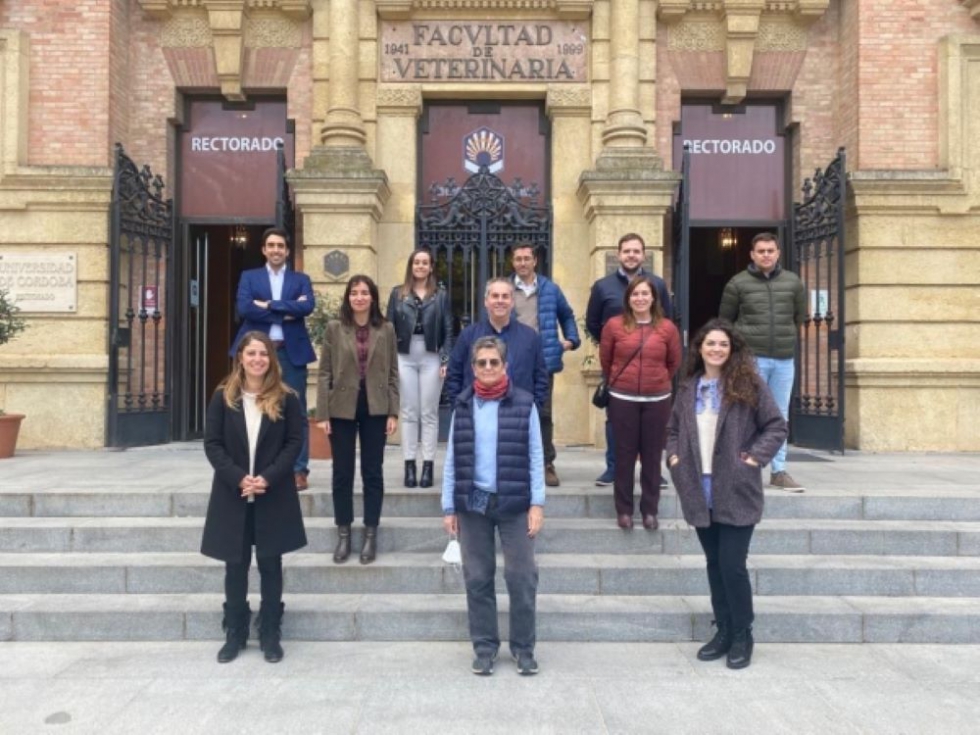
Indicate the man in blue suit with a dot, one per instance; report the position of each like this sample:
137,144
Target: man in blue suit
276,300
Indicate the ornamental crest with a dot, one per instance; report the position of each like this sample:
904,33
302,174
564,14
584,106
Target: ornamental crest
483,147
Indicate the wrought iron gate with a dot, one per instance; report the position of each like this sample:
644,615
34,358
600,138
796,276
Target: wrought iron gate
681,262
817,412
141,239
470,230
285,215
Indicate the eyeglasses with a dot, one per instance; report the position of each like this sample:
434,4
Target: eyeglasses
490,362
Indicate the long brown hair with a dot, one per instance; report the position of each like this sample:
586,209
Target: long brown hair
430,281
656,311
375,317
273,392
739,379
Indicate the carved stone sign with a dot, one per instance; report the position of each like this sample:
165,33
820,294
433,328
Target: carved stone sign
41,282
466,51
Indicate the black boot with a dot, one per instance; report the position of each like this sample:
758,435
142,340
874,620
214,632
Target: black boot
269,624
719,645
370,549
342,551
740,654
426,480
410,473
235,624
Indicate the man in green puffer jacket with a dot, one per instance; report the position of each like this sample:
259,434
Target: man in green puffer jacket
768,305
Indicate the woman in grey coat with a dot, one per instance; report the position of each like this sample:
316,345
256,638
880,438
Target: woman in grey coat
724,428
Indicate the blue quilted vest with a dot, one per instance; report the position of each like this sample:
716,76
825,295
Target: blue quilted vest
513,460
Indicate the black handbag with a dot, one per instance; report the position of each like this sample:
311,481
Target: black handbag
600,399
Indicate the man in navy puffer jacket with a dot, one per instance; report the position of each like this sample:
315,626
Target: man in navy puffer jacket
540,304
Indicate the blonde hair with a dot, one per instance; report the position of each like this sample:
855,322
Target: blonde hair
273,392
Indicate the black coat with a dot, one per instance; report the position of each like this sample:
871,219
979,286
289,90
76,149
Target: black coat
278,518
437,322
736,486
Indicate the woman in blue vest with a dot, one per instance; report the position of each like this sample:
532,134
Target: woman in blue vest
494,483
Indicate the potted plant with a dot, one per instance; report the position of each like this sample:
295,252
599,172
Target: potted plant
327,308
10,325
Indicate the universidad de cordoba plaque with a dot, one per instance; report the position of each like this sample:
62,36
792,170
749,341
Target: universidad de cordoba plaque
466,51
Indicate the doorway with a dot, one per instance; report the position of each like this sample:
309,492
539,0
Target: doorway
717,254
216,255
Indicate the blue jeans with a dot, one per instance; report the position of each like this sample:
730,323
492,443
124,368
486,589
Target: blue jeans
295,378
610,446
778,375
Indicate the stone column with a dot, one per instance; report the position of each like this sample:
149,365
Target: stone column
343,126
624,124
570,109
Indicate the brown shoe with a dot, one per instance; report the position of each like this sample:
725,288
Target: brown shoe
650,523
550,476
301,482
786,482
625,522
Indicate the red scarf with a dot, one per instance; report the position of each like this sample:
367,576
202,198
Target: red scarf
493,392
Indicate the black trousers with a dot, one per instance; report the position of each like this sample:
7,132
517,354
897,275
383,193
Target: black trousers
726,548
270,570
343,440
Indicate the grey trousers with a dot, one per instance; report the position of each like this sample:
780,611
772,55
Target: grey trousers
420,387
478,546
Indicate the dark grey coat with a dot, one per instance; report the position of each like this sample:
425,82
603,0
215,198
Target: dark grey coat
278,518
736,486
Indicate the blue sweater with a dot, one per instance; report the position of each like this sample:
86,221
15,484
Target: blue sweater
525,359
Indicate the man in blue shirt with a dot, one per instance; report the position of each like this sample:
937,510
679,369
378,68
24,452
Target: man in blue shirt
494,481
276,300
526,367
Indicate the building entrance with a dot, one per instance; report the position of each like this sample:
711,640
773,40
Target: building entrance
232,162
483,188
734,185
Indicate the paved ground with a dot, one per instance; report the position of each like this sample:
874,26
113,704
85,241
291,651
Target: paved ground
177,688
407,688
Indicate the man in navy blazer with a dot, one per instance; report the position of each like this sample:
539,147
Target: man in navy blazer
276,300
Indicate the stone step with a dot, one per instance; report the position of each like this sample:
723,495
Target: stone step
561,535
391,617
568,501
415,573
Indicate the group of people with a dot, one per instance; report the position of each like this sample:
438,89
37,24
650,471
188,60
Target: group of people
719,429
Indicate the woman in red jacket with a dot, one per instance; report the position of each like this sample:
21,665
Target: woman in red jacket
640,351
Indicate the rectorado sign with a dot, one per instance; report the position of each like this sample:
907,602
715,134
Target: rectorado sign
446,51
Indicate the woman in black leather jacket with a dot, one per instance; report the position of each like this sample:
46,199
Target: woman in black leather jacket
420,311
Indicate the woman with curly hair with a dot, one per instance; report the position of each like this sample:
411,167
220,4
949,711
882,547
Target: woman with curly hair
724,428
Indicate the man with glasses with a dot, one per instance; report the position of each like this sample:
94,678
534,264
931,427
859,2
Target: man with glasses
540,304
526,368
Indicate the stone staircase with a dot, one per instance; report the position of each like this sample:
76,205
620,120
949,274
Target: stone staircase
103,546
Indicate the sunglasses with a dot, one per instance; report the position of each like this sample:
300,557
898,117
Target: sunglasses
490,362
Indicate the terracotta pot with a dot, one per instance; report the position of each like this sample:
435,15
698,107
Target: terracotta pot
319,442
9,428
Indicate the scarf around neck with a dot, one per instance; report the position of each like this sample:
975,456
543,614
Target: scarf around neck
491,393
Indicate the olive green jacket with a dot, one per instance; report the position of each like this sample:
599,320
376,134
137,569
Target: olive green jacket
768,312
339,379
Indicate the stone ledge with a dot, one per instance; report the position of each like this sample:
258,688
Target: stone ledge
912,373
